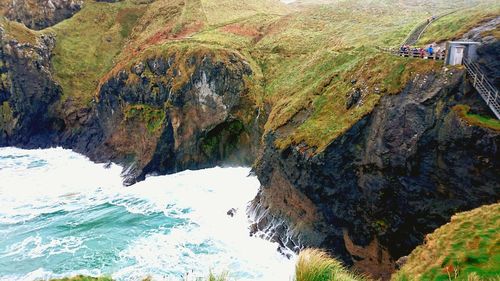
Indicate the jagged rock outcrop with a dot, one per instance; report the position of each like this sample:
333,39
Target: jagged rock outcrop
170,113
39,14
27,92
396,175
162,114
489,51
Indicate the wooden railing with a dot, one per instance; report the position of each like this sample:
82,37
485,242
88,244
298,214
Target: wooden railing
487,91
480,82
414,53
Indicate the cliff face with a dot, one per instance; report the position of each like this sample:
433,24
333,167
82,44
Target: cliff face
374,192
176,97
169,113
27,92
39,14
165,112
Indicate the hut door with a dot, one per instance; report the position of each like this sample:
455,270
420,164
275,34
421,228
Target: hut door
458,55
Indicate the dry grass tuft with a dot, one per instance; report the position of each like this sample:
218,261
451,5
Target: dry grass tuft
316,265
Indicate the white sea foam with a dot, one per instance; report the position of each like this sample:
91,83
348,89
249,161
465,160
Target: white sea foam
171,224
33,247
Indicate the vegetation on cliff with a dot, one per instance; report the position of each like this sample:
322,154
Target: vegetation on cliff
313,71
307,60
476,120
316,265
17,31
467,248
88,43
457,23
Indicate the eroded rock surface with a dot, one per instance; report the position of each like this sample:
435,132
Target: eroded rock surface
39,14
168,114
395,176
27,92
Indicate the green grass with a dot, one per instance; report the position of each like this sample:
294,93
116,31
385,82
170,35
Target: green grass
17,31
88,43
152,117
475,119
316,265
454,25
467,246
324,86
303,59
221,277
223,11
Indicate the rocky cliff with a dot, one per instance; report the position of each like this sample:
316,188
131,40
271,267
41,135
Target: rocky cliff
358,152
396,175
171,112
161,114
163,111
39,14
27,91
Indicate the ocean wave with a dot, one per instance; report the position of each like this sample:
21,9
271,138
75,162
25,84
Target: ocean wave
62,215
35,247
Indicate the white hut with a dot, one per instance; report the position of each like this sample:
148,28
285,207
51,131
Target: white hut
457,51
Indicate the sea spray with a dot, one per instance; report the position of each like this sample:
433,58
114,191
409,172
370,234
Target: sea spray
62,215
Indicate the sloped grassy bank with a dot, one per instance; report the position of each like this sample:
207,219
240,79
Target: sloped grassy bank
466,248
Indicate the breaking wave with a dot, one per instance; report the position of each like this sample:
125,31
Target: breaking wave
62,215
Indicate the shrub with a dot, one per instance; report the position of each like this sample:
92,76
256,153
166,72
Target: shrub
316,265
221,277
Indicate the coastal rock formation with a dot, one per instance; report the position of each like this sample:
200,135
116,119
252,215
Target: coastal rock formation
27,91
160,114
172,112
396,175
39,14
167,87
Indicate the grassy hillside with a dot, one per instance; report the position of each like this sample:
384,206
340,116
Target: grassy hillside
467,248
304,56
88,42
17,31
455,25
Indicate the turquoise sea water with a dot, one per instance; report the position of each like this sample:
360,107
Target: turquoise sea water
62,215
